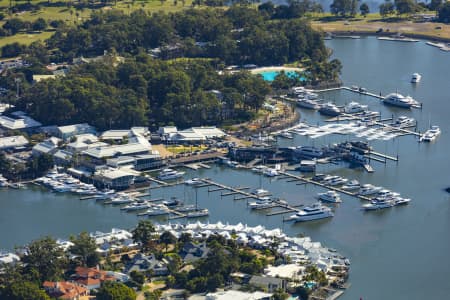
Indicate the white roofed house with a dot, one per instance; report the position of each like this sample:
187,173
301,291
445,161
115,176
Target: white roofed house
66,132
49,146
15,142
121,135
19,121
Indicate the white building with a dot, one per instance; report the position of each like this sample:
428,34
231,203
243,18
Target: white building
191,135
8,258
66,132
119,135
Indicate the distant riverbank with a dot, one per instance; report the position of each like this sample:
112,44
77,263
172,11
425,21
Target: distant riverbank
425,30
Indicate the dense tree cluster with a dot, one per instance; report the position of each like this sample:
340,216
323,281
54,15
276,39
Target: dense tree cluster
235,36
144,92
444,12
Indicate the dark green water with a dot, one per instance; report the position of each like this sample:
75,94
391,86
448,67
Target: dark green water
401,253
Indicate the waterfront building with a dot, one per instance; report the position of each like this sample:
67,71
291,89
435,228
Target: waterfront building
238,295
114,179
62,157
121,135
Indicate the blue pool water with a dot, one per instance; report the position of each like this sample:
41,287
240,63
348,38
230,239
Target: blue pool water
270,75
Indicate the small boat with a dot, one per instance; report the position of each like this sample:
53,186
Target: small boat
168,174
377,204
319,177
310,95
259,169
355,107
401,201
416,77
172,202
16,185
186,208
198,213
308,103
261,192
351,185
313,212
431,134
330,196
193,181
404,121
286,135
329,109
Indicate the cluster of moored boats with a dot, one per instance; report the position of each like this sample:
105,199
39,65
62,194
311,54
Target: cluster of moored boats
4,183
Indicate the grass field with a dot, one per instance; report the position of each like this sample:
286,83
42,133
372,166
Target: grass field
374,22
25,38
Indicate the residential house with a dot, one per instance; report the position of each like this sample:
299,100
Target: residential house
142,263
192,252
268,283
91,278
65,290
66,132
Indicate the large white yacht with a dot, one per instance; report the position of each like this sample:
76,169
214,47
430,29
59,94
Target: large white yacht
336,181
314,212
431,134
137,206
168,174
330,196
416,77
396,99
355,107
198,213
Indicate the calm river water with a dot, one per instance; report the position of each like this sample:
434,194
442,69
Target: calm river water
400,253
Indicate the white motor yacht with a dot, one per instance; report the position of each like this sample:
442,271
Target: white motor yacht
329,109
378,204
168,174
286,135
198,213
416,77
396,99
355,107
311,96
259,169
261,203
261,192
330,196
351,185
313,212
336,181
137,206
308,103
270,172
157,210
121,200
368,189
431,134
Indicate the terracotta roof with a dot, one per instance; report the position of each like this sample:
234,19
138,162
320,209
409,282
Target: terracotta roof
64,289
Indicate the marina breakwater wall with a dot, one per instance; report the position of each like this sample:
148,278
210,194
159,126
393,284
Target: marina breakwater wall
392,33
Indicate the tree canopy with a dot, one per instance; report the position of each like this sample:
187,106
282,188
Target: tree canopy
115,291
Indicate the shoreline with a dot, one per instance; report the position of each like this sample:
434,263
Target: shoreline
423,37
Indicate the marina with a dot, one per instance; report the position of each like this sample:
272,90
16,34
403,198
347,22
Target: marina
375,241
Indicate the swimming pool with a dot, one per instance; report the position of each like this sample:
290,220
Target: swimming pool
270,75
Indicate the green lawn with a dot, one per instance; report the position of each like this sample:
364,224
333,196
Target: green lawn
25,38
